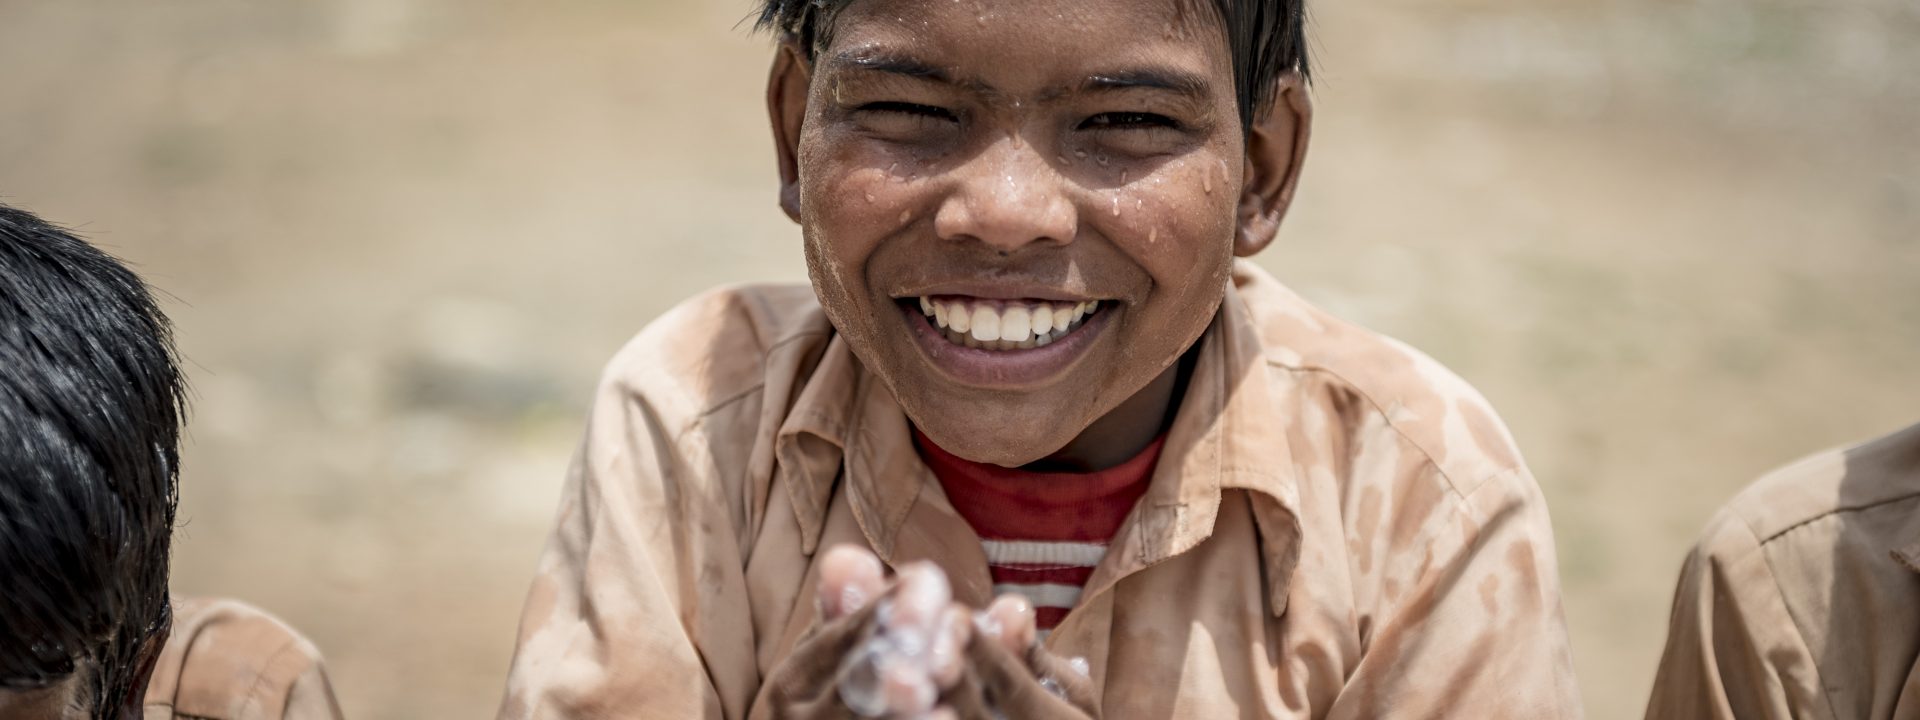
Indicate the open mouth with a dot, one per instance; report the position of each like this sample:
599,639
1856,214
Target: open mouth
1006,343
1004,325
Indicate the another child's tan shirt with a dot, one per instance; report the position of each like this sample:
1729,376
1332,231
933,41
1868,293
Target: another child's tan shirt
227,660
1802,599
1338,528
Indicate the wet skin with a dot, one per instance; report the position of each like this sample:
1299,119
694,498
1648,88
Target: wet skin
1012,153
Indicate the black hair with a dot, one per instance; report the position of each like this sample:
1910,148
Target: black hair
1266,39
91,405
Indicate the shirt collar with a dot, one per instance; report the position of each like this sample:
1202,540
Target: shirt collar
1228,434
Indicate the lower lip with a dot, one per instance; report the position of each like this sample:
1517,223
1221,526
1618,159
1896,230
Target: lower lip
1009,369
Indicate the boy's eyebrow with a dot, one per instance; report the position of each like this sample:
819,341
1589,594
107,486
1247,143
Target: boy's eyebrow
880,61
1177,81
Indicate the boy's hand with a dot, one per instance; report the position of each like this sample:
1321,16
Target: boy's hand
1008,674
910,652
881,652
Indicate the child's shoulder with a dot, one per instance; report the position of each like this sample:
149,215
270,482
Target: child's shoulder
717,345
1372,380
225,658
1857,498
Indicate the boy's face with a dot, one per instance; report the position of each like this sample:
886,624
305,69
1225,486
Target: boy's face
1018,212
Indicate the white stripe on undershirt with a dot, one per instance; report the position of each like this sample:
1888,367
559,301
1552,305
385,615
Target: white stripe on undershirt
1051,595
1058,554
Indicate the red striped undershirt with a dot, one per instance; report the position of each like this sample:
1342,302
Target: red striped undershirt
1043,532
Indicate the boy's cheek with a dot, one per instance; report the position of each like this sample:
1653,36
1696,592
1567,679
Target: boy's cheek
854,199
1175,236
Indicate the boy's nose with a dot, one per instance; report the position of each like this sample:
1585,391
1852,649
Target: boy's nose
1007,197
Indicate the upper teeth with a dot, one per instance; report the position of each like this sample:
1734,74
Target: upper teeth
1005,325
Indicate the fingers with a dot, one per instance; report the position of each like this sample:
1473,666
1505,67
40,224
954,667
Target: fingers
949,660
1009,621
1016,676
1013,688
1067,678
920,602
850,579
914,652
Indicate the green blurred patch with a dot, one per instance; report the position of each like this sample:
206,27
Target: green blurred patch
182,154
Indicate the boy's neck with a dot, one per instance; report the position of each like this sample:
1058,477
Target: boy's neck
1122,433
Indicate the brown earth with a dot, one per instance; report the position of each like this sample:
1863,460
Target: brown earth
1676,243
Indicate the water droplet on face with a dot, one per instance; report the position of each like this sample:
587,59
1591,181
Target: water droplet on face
905,215
1123,177
1102,159
869,198
1116,205
1082,154
1153,236
1206,184
1062,159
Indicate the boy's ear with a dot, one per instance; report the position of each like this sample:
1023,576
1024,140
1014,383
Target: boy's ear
787,85
1276,149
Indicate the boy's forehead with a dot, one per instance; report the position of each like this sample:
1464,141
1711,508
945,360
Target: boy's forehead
1036,40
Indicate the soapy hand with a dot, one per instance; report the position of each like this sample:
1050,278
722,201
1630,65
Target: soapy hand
906,650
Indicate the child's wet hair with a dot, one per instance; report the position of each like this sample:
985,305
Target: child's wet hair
1267,39
90,413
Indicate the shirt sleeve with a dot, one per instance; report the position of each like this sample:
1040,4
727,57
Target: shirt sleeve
1733,650
227,660
638,607
310,697
1464,616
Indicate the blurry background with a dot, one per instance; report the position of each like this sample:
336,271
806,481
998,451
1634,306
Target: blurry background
1676,242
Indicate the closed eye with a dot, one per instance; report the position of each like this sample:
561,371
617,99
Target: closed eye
1128,120
906,108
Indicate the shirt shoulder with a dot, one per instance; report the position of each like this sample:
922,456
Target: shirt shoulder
1364,379
226,660
713,348
1857,495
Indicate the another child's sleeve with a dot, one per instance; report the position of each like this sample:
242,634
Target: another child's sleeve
1733,650
639,605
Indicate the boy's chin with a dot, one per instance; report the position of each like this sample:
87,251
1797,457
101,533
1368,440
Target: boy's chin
996,443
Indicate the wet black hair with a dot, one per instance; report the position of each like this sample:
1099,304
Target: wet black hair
1266,39
91,407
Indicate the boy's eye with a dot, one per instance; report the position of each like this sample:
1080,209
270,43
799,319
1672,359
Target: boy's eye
1140,134
1127,120
905,108
906,122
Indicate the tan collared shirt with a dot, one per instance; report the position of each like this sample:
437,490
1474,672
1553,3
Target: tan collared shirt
1802,599
1338,528
227,660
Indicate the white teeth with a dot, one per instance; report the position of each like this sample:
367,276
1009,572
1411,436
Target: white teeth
1042,320
997,325
986,324
1016,324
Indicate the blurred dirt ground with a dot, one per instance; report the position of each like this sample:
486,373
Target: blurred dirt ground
1676,242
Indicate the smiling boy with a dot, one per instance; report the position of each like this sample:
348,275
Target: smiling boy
1031,364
